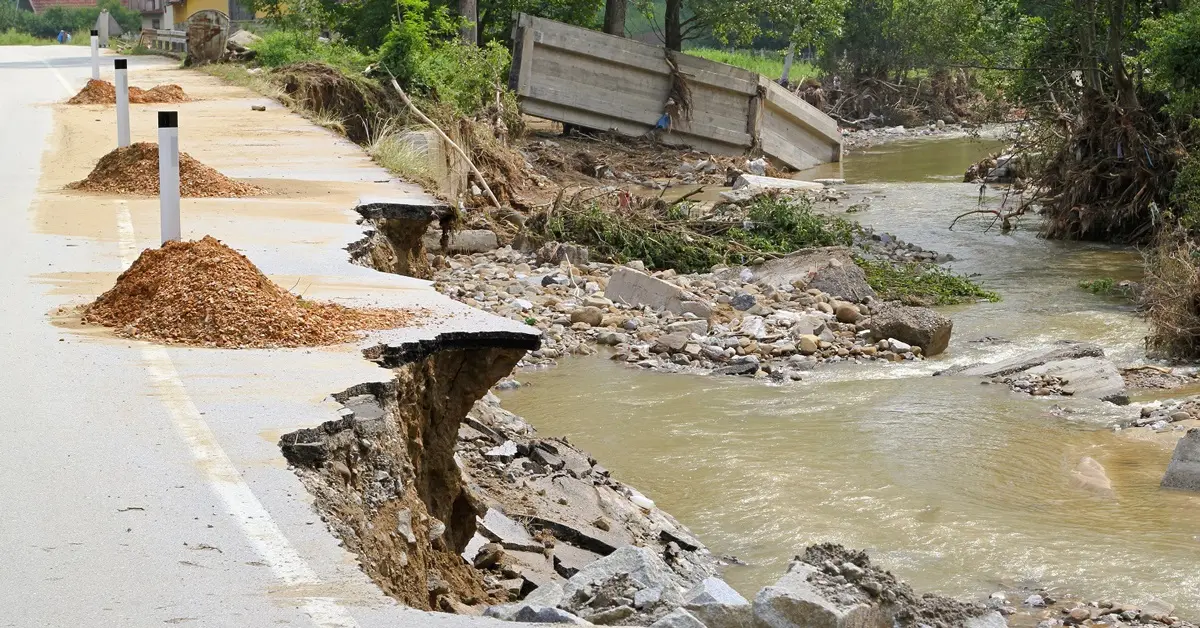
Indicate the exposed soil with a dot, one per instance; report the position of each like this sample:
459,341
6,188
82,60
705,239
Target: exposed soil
103,93
357,102
134,170
205,293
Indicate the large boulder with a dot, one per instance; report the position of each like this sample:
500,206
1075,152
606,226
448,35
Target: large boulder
795,601
528,613
644,568
1094,378
678,618
717,605
1066,350
1184,470
638,289
831,270
918,326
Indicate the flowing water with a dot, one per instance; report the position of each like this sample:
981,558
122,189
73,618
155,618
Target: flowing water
958,487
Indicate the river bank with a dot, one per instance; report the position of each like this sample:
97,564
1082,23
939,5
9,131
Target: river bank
944,528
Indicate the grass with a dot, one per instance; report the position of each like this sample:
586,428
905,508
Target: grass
398,156
769,64
283,47
255,81
13,37
1104,286
915,282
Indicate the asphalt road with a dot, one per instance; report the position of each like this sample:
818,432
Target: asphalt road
141,485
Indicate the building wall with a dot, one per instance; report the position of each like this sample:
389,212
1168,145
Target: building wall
187,8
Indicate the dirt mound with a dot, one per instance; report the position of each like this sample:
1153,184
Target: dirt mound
356,101
134,170
169,93
95,93
103,93
205,293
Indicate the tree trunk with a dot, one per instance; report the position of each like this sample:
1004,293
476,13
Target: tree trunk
614,17
787,63
1126,95
469,10
673,25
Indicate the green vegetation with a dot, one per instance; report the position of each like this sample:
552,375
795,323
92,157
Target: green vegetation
13,37
765,63
73,20
283,47
1104,286
924,283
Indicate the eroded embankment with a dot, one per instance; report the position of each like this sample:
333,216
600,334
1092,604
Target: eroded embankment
394,243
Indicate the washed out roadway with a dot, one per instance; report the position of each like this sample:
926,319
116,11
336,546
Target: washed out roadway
141,485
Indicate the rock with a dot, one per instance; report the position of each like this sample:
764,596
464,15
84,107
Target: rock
568,559
700,309
847,313
1091,377
698,327
759,183
1079,614
508,533
793,602
753,327
549,594
473,546
757,167
1035,601
643,567
1184,470
243,38
1054,353
678,618
743,368
808,343
713,590
466,241
743,302
899,347
504,453
533,614
670,343
1157,608
554,253
918,326
612,616
991,620
591,316
831,270
1090,475
404,525
489,555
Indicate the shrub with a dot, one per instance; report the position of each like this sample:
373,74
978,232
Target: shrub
283,47
1171,296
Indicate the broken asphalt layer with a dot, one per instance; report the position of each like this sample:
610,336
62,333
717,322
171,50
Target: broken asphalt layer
142,485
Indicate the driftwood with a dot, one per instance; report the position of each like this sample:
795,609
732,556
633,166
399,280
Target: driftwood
424,118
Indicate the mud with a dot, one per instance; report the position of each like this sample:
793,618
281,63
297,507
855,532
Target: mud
357,102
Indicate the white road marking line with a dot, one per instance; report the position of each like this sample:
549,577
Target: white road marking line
58,75
256,523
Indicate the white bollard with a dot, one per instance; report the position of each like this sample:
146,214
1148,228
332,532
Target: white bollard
168,174
121,78
96,54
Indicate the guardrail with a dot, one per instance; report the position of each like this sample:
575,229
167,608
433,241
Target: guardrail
165,40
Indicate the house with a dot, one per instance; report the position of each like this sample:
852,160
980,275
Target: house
173,13
39,6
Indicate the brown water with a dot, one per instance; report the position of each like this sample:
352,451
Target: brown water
960,488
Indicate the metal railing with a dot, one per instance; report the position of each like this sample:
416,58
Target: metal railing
166,40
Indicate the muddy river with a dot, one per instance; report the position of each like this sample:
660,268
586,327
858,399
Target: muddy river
959,488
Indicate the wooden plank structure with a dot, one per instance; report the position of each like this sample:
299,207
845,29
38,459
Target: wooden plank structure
598,81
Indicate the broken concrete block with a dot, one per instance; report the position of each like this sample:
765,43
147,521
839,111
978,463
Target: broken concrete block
638,289
568,559
793,602
533,614
771,183
473,547
830,269
713,590
508,533
1094,378
550,594
678,618
1184,470
504,453
465,241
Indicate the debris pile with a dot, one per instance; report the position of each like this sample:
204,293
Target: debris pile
205,293
98,92
134,170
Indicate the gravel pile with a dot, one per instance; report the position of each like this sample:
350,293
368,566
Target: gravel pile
103,93
134,170
205,293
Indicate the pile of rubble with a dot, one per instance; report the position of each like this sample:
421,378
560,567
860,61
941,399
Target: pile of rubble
1159,415
134,170
553,513
1071,368
1045,610
776,319
1037,384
